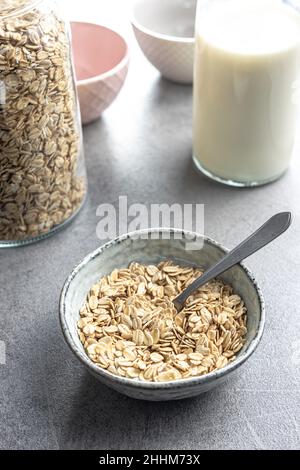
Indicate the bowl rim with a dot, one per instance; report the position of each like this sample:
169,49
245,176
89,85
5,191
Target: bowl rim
166,37
109,73
174,384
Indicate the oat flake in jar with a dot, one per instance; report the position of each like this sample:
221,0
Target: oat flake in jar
42,172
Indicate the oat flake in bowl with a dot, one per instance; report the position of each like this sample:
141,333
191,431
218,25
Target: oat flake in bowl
151,247
130,327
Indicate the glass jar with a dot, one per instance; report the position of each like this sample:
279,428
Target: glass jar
246,85
42,171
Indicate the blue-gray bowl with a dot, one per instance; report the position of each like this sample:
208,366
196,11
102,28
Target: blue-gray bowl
170,244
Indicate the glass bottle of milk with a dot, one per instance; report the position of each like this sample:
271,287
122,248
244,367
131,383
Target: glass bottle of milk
245,89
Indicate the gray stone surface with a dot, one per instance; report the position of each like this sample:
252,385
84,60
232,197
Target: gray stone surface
142,148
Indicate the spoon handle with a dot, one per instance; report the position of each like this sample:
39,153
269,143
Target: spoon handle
274,227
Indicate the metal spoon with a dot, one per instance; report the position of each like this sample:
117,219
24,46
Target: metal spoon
274,227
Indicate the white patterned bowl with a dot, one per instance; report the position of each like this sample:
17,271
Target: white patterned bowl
171,244
101,61
164,30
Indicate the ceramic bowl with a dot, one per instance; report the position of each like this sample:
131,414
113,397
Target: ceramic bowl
101,64
131,247
164,30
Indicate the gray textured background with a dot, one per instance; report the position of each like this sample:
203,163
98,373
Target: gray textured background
142,148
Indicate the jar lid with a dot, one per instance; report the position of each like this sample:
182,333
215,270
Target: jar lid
8,7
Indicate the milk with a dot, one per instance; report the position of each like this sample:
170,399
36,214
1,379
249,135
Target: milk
245,89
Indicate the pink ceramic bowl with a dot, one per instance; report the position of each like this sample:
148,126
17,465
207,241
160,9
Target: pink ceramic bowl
101,64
